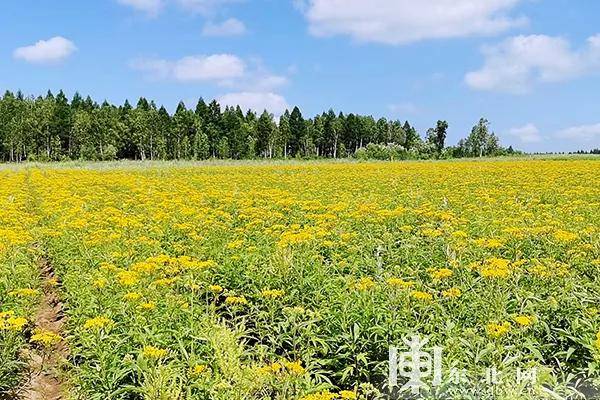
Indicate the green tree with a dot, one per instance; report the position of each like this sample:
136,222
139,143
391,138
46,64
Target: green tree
412,136
297,133
437,136
61,123
478,138
265,130
285,133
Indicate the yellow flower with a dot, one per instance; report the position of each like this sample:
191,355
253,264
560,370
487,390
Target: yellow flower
452,293
326,395
597,341
97,323
132,296
489,243
365,284
273,294
498,330
236,300
164,282
6,314
148,306
421,296
107,267
294,367
13,323
401,283
432,233
275,367
198,369
565,236
524,320
128,278
347,395
235,244
45,337
24,292
406,228
154,352
100,283
495,268
441,273
459,234
215,288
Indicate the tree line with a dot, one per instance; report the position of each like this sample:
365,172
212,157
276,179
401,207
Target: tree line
53,128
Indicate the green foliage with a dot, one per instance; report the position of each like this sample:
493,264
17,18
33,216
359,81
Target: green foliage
50,129
388,152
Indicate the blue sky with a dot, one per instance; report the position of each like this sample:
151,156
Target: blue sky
532,67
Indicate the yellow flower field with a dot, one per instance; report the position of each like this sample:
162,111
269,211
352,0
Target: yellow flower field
291,281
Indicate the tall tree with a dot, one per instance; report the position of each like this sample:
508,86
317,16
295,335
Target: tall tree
265,130
285,132
478,138
412,136
297,132
437,136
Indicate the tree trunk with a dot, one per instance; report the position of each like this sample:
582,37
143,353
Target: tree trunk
335,140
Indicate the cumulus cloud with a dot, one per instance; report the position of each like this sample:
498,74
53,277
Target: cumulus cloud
150,7
250,84
519,63
226,70
229,27
256,101
260,79
526,134
582,133
48,51
220,68
405,21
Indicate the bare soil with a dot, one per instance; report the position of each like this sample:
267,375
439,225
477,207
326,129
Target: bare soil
44,380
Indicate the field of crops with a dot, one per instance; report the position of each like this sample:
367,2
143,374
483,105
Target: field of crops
292,281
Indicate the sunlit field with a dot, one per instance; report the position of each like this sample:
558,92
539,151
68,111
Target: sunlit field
292,280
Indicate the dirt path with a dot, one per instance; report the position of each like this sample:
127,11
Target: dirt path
44,381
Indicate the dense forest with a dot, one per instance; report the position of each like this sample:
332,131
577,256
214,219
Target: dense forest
52,127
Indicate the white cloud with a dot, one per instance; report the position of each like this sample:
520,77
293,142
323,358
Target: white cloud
204,6
215,67
220,68
251,87
519,63
150,7
48,51
266,81
405,21
403,108
526,134
582,133
153,68
153,7
229,27
256,101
